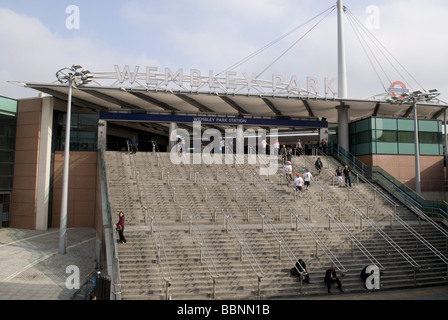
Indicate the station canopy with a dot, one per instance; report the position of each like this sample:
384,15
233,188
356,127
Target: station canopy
97,98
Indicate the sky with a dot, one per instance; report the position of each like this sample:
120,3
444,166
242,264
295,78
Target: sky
386,41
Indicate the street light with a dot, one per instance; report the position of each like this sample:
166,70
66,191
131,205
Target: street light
74,77
412,99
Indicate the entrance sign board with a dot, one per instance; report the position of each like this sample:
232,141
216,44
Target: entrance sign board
229,82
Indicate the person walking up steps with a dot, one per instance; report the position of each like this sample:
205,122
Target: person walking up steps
288,172
298,181
308,177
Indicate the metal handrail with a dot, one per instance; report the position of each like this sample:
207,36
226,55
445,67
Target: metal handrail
266,220
405,196
228,217
213,273
262,182
201,241
110,237
419,237
159,243
402,252
393,215
248,252
319,242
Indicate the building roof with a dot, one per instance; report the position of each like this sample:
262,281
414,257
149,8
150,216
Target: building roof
114,99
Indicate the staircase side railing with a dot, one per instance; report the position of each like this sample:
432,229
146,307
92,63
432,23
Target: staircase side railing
112,256
435,209
365,217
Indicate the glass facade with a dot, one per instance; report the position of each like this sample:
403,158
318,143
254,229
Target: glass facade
8,120
83,134
395,137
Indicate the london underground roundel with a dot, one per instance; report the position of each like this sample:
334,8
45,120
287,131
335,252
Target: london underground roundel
397,88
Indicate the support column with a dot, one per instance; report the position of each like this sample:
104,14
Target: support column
102,135
240,144
418,187
173,138
44,164
343,126
342,67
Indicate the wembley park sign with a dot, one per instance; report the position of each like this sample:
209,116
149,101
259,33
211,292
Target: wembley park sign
229,82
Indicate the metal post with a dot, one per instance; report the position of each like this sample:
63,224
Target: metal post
418,187
167,290
64,202
200,252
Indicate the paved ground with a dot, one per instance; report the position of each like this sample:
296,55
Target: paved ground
32,269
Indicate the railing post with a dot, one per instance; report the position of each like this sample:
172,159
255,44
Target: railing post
248,209
158,253
317,249
262,224
259,286
201,253
167,290
214,289
279,250
146,215
241,251
181,214
297,223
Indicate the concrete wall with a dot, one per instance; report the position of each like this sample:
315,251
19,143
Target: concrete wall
403,168
82,189
24,194
30,198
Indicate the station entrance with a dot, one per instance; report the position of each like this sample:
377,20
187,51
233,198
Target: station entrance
167,130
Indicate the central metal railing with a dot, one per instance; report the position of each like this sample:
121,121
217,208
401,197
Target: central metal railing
162,258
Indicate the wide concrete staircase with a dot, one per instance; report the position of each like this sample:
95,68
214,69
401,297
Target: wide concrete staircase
225,232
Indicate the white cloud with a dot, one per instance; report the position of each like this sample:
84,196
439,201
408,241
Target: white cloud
31,52
213,35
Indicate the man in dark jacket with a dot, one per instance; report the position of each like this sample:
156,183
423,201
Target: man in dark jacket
331,277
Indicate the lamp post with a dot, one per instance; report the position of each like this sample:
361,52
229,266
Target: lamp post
74,76
413,99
